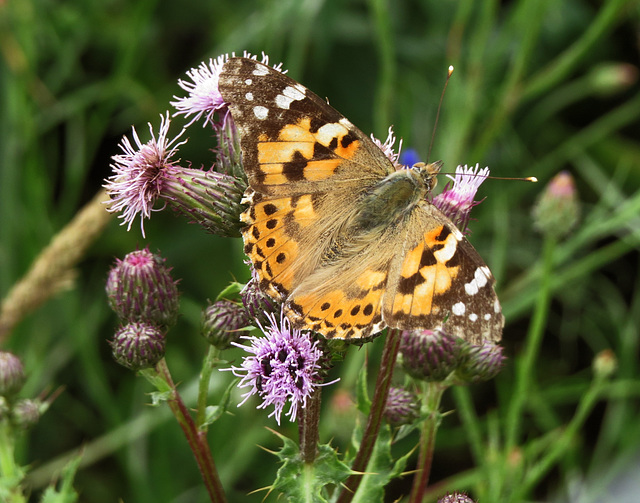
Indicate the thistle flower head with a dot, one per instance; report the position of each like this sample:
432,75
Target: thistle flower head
139,173
455,497
479,362
12,376
204,98
140,288
387,148
429,355
223,322
257,303
138,345
557,210
402,406
26,412
284,366
456,200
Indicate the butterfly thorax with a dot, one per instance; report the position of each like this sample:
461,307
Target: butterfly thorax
391,199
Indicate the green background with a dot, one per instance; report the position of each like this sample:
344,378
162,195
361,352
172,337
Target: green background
540,86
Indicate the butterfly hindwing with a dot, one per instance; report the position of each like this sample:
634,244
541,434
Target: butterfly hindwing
318,230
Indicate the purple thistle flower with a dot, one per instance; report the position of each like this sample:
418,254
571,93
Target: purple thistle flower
283,367
456,200
387,148
138,173
204,98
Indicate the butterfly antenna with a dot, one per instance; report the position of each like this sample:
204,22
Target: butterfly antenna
435,125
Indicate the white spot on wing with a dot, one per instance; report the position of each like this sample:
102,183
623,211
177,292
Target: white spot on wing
289,95
249,96
473,317
260,112
471,288
458,308
496,306
487,317
248,82
330,131
260,70
456,233
482,276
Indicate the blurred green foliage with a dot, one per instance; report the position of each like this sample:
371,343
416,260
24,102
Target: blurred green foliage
539,87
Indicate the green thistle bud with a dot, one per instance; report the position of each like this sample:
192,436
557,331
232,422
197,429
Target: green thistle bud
223,322
479,363
455,497
12,376
612,77
605,363
209,198
557,210
140,288
402,406
430,355
25,413
138,345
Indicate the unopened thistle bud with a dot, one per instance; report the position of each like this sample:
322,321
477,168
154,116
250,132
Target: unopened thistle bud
557,210
479,362
402,406
12,376
455,497
430,355
223,322
138,346
256,302
140,288
605,363
25,413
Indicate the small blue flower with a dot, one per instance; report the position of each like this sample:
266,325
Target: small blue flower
284,366
409,157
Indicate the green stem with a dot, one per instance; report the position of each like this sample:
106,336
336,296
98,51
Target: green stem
11,474
203,386
370,435
432,394
525,364
564,442
197,439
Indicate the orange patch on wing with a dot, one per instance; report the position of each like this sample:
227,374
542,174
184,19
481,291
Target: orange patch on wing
279,152
321,170
304,214
370,279
412,261
349,151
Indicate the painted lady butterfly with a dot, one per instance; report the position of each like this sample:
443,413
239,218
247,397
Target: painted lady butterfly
348,243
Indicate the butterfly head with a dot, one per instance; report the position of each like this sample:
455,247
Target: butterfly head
428,172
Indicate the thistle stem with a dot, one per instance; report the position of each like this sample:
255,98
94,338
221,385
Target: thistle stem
387,363
432,394
197,439
309,423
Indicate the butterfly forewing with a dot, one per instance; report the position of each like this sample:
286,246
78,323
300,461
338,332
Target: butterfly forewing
312,176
